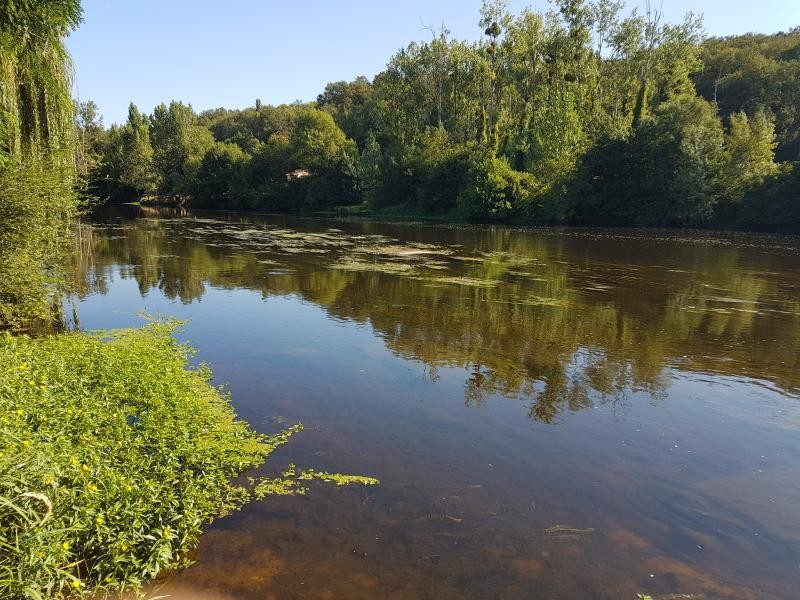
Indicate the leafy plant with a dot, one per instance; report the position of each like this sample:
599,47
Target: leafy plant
113,455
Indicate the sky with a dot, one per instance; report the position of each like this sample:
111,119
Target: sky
230,52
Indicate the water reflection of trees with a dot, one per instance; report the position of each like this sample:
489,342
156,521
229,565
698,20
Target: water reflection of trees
567,322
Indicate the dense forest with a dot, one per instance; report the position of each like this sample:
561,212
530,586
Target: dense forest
587,115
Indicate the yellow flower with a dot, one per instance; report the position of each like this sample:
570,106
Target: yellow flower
26,443
91,487
76,584
65,545
73,460
20,412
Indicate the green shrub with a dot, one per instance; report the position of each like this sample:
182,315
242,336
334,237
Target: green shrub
113,454
775,204
222,177
496,190
664,175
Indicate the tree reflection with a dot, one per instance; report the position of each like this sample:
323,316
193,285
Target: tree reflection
564,321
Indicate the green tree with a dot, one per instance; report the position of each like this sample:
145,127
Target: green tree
90,137
579,98
136,154
222,178
350,103
666,57
755,72
775,204
370,174
495,190
749,154
495,22
179,145
36,108
318,143
679,150
557,139
666,174
313,167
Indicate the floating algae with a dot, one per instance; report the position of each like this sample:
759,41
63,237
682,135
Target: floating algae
403,251
528,276
469,258
507,259
542,301
465,281
378,267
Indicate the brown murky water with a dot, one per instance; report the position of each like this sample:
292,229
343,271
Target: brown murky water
553,414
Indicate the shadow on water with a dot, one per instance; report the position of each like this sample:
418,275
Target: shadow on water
553,414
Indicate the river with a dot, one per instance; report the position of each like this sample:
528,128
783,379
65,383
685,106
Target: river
553,414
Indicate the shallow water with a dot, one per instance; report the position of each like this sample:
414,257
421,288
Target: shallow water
552,413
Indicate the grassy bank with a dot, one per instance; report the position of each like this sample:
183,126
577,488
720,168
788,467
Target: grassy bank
113,454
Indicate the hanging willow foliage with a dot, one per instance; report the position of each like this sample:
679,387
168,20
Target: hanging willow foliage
35,74
37,199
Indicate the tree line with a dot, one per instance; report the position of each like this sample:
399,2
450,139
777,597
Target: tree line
586,115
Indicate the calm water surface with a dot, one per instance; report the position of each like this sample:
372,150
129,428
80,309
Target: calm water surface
553,414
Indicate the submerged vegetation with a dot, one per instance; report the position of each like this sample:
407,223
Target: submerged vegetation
587,114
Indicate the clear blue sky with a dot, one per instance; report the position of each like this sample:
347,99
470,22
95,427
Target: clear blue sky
230,52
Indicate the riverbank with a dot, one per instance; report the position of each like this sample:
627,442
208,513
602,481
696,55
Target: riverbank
407,214
115,452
